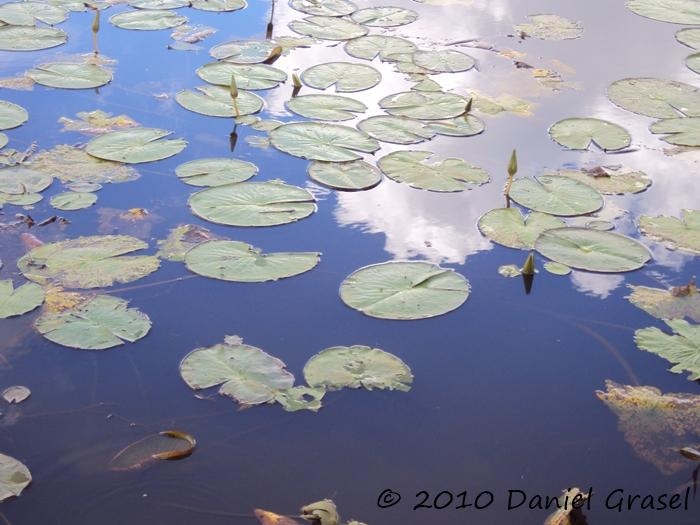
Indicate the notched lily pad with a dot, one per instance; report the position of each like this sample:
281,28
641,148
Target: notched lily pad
325,8
689,36
684,131
147,19
218,5
385,47
424,105
346,77
248,76
556,195
354,175
28,13
328,28
20,300
68,75
384,16
580,133
460,126
135,145
216,101
72,200
684,233
506,226
14,477
397,130
673,11
656,98
321,141
215,171
446,61
326,107
243,51
16,394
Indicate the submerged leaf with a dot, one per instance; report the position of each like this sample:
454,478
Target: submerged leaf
508,227
550,27
300,398
14,477
683,349
656,98
18,301
71,164
135,145
664,304
169,444
580,133
684,233
321,141
556,195
96,122
350,176
265,517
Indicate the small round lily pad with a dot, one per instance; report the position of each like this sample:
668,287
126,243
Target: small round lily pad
349,176
215,171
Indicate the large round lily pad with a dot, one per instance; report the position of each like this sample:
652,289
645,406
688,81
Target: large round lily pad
215,171
69,75
14,477
346,77
556,195
404,290
18,301
397,130
580,133
326,107
216,101
324,8
385,47
147,19
328,28
12,115
248,76
384,16
592,250
135,145
508,227
253,204
320,141
426,105
357,366
684,233
350,176
447,61
29,38
656,98
241,262
674,11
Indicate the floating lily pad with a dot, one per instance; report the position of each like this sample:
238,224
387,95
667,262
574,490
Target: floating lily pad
159,4
169,444
556,195
681,349
3,140
508,227
14,477
147,19
351,176
592,250
96,122
241,262
447,61
20,181
215,171
580,133
219,5
16,394
665,304
28,13
100,322
243,51
690,36
320,141
556,268
673,11
510,270
326,107
346,77
300,398
404,290
135,145
609,180
72,200
550,27
451,174
248,76
397,130
216,101
461,126
684,131
88,262
181,239
355,367
28,38
325,8
18,301
25,199
372,46
328,28
684,233
84,187
426,105
253,204
245,373
656,98
384,16
69,75
71,164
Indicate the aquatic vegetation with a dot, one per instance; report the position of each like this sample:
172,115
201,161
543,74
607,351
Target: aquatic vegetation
14,477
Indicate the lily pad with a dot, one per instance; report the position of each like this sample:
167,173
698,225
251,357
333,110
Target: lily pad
397,130
68,75
14,477
248,76
689,36
96,122
693,62
556,269
88,262
99,323
243,51
656,98
326,107
665,304
245,373
216,101
215,171
241,262
556,195
424,105
404,290
506,226
71,200
18,301
328,28
592,250
384,16
253,204
684,131
169,444
3,140
355,367
673,11
25,199
325,8
350,176
320,141
447,61
28,38
681,349
449,175
71,164
300,398
159,4
28,13
181,239
16,394
147,19
135,145
580,133
608,180
372,46
684,233
550,27
346,77
461,126
219,5
21,181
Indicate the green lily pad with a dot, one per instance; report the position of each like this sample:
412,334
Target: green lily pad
71,164
14,477
28,38
556,268
20,181
326,107
321,141
460,126
248,76
506,226
216,101
25,199
372,46
328,28
608,180
346,77
325,8
684,131
88,262
426,84
550,27
592,250
350,176
681,349
215,171
656,98
396,130
28,13
447,61
355,367
241,262
684,233
135,145
245,373
18,301
3,140
424,105
580,133
404,290
243,51
253,204
181,239
449,175
98,323
384,16
69,75
71,200
84,187
12,115
300,398
159,4
556,195
667,304
147,19
689,36
673,11
219,5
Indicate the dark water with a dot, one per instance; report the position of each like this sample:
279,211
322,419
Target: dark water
503,396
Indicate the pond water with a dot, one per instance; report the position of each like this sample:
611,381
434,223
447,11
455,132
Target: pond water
503,396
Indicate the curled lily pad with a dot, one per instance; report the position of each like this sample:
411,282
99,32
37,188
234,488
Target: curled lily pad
681,349
550,27
592,250
325,8
556,195
460,126
684,131
72,200
216,101
328,28
215,171
689,36
346,77
135,145
326,107
674,11
351,176
426,105
656,98
609,180
29,38
18,301
384,16
169,444
69,75
147,19
404,290
98,323
14,477
397,130
12,115
241,262
28,13
243,51
219,5
447,61
253,204
684,233
508,227
580,133
451,174
248,76
357,366
181,239
320,141
667,304
372,46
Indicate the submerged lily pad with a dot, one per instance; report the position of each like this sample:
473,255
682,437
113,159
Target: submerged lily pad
169,444
28,38
550,27
325,8
656,98
321,141
346,77
28,13
351,176
397,130
219,5
216,101
88,262
372,46
447,61
384,16
609,180
556,195
14,477
580,133
147,19
181,239
684,131
68,75
18,301
135,145
404,290
326,107
425,105
451,174
12,115
506,226
681,349
674,11
357,366
592,250
253,204
71,164
684,233
72,200
215,171
243,51
248,76
665,304
328,28
98,323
